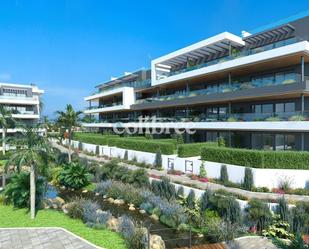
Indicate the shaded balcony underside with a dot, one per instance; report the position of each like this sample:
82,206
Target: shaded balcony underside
264,92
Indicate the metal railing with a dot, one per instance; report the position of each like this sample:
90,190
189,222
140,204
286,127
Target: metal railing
235,55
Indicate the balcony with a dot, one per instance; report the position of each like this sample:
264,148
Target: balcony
19,99
235,55
105,108
285,122
234,86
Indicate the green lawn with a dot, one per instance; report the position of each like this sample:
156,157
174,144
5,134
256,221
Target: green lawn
49,218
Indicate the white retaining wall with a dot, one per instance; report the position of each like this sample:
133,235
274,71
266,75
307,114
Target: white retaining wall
262,177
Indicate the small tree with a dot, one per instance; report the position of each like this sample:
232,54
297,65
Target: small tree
203,173
191,199
283,209
80,146
224,177
248,179
126,156
180,191
68,120
205,200
158,159
97,150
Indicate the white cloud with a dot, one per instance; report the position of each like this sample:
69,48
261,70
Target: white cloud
5,76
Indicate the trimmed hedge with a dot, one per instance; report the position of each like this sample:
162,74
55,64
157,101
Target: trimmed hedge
92,138
147,145
194,149
257,159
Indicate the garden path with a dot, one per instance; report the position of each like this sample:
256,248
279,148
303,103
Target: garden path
201,185
41,238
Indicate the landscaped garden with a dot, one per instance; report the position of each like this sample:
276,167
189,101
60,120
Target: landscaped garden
115,206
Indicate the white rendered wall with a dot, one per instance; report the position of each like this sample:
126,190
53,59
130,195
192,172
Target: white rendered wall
262,177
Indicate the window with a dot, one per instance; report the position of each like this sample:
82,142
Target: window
267,108
189,166
262,141
280,107
290,107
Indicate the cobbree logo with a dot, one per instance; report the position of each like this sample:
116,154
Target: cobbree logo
152,125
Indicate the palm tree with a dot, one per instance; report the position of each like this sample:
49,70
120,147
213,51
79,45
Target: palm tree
68,119
6,120
33,151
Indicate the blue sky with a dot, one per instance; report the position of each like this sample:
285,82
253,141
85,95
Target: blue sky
67,47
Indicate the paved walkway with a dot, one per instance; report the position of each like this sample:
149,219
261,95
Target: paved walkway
41,238
251,242
187,181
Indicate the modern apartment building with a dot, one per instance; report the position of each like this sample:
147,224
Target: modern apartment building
252,90
23,101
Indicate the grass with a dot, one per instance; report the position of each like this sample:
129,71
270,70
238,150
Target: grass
11,217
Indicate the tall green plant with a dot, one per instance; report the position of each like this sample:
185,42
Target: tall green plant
205,200
283,209
68,120
17,192
33,152
224,177
248,179
203,172
296,243
158,159
75,175
191,199
6,120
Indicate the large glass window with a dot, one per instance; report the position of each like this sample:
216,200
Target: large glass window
262,141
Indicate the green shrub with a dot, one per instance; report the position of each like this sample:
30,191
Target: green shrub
283,209
259,214
205,200
55,174
193,149
80,146
257,159
92,138
158,159
180,192
17,192
248,183
227,207
126,157
224,177
75,176
75,208
152,145
203,172
97,150
191,199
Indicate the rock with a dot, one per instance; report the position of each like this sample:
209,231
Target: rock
142,211
54,206
119,202
97,194
59,201
104,196
156,242
132,208
112,224
154,217
111,200
85,191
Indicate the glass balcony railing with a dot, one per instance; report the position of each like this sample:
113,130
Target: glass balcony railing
104,106
235,55
135,84
222,117
18,96
286,79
